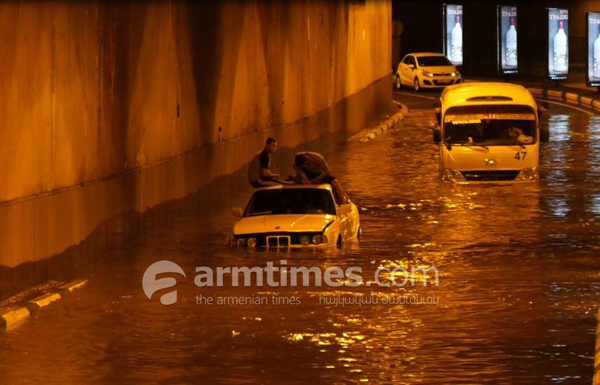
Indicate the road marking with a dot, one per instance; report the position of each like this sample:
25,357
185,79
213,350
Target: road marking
566,105
416,96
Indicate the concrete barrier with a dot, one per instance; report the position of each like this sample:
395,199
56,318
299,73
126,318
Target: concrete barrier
69,287
10,317
536,91
585,100
42,301
555,94
570,97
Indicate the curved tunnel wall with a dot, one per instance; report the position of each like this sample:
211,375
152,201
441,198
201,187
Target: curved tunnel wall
111,107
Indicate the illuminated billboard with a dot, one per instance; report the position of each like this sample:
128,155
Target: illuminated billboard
453,41
507,40
558,43
593,44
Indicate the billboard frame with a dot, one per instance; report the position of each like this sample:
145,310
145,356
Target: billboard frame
445,31
548,75
499,52
588,81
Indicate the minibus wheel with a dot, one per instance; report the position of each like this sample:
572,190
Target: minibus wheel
417,85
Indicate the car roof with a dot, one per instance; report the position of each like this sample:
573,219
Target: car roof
421,54
297,186
489,92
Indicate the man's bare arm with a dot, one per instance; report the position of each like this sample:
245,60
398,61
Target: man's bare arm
266,173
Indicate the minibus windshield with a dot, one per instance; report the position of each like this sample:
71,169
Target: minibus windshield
488,126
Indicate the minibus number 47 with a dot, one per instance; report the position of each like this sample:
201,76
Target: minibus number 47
520,155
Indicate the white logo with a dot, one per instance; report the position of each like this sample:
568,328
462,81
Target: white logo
151,284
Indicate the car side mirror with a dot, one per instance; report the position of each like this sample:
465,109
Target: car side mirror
437,134
237,212
344,209
411,66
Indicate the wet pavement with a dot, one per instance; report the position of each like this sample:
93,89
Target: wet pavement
516,302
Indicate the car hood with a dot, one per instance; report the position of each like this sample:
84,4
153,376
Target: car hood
284,223
503,157
441,69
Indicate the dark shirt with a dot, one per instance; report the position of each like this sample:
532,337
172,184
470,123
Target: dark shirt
260,161
265,160
315,167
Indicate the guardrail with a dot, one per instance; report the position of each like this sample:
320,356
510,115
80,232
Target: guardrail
566,97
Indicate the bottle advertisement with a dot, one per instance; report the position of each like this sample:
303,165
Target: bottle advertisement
558,43
593,39
507,34
453,42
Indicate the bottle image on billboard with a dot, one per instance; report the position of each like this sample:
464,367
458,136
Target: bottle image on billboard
456,37
560,48
597,55
511,44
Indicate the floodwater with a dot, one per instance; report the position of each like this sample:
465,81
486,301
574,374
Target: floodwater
516,301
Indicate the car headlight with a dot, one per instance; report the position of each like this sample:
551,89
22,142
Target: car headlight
305,240
241,242
426,73
529,173
453,175
317,239
252,242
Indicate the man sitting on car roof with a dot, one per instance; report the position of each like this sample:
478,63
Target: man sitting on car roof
311,168
259,172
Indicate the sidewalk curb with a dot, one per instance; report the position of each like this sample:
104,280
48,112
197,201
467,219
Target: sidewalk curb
568,97
371,133
11,316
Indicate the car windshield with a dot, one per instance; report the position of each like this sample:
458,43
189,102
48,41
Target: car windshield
291,201
488,125
433,61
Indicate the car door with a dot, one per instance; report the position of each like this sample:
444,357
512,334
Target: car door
409,73
402,67
344,219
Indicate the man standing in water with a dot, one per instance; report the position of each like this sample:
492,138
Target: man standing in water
259,172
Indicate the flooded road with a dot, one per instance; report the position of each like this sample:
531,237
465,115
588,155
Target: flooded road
516,301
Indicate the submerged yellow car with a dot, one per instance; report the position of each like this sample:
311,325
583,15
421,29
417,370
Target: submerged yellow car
295,216
489,132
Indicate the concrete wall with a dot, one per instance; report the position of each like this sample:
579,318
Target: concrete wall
112,107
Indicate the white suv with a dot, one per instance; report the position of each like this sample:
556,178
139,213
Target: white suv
426,70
